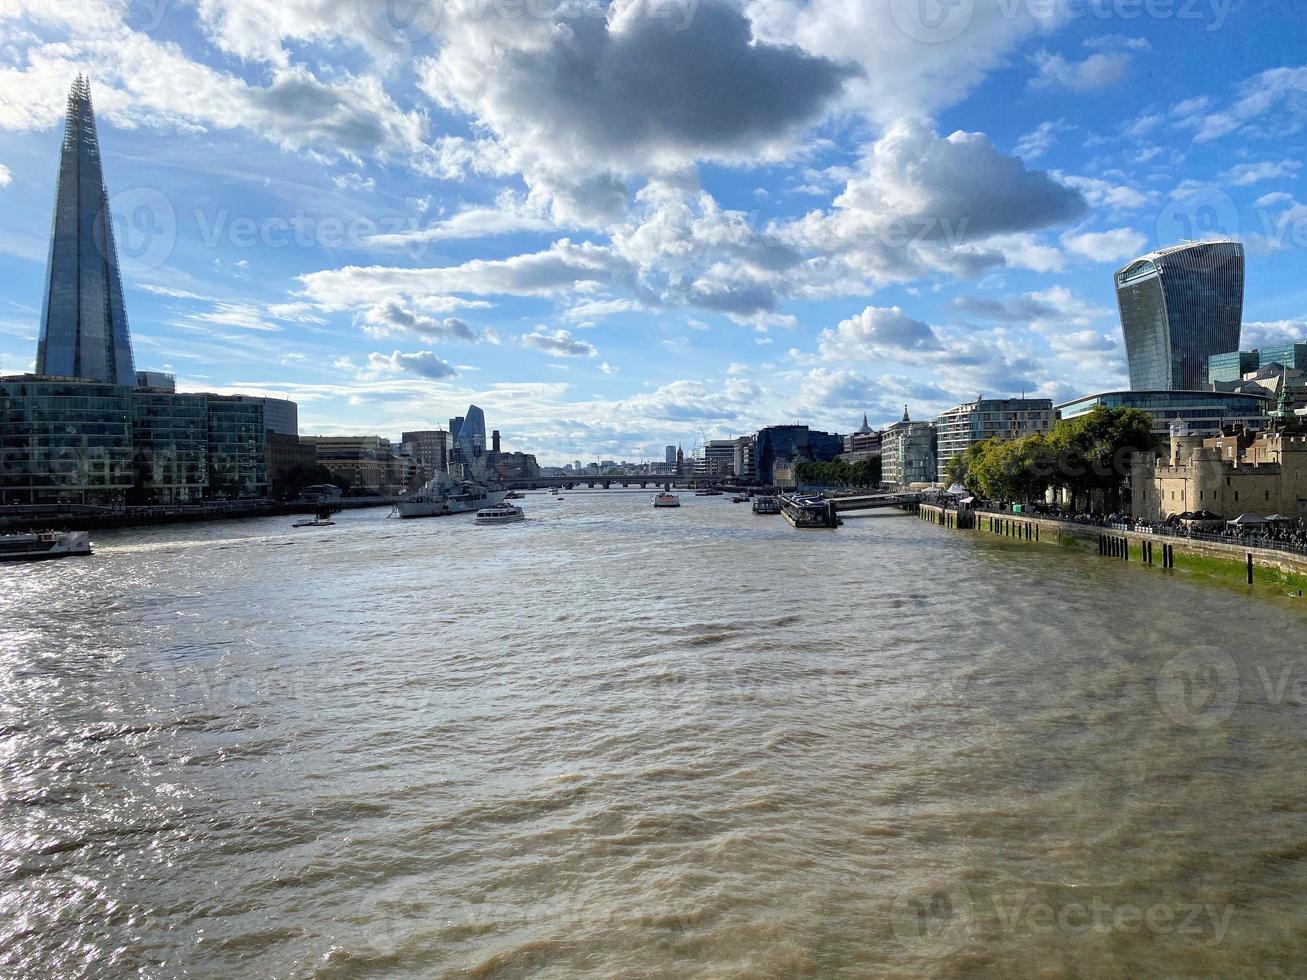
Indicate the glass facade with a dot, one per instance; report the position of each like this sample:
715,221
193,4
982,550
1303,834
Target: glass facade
237,447
83,321
1200,412
1231,366
1179,306
779,443
64,440
1235,365
908,453
170,436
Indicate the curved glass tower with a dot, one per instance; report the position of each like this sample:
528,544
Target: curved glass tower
1179,306
83,321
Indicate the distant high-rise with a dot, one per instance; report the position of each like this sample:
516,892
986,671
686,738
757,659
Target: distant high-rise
83,321
1179,306
669,455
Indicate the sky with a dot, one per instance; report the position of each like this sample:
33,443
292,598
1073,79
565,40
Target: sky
617,225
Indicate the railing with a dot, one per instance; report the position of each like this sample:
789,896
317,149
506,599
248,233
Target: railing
1246,541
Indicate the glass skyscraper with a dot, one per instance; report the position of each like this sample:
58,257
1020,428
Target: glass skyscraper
1179,306
83,321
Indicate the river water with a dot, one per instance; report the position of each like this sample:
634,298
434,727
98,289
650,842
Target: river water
615,741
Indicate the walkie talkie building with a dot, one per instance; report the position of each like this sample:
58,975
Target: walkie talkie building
1179,306
83,321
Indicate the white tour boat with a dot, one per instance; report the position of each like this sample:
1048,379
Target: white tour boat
500,514
667,500
40,545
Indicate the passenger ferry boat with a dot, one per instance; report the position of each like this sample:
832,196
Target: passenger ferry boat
42,545
443,496
500,514
807,512
766,505
667,500
707,492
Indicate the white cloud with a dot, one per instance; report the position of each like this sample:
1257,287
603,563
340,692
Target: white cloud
1095,73
6,176
559,343
423,363
1246,174
1116,245
392,319
1041,139
354,182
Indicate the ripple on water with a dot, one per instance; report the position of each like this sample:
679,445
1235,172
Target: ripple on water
612,741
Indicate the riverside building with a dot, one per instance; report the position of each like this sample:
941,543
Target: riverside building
1231,474
908,453
1197,412
989,418
87,428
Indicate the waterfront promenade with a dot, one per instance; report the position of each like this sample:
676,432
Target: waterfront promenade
1270,563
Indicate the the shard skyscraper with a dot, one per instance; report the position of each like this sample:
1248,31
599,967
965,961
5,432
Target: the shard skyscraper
83,321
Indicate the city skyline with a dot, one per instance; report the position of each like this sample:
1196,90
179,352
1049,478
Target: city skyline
744,277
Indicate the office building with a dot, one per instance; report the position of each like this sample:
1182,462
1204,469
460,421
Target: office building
1179,306
360,463
718,458
430,447
908,453
863,442
669,455
989,418
237,447
64,440
743,463
792,443
170,445
1195,412
1234,366
83,320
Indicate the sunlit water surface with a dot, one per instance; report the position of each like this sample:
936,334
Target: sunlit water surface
620,741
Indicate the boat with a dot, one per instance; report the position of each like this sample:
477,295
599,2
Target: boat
323,519
442,496
741,499
500,514
707,492
42,545
514,495
667,500
766,505
806,512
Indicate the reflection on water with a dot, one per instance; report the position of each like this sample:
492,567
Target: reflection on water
615,740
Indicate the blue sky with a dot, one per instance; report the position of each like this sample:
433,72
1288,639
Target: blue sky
618,225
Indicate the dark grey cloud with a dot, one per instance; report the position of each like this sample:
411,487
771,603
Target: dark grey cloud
606,92
1015,309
